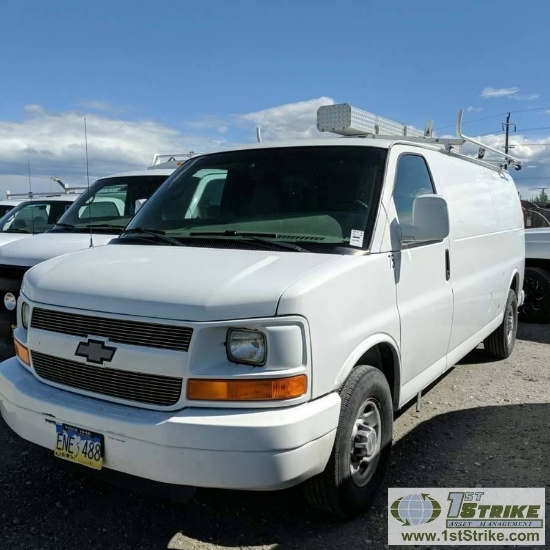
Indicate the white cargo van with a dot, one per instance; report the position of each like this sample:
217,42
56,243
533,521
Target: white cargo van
99,215
265,336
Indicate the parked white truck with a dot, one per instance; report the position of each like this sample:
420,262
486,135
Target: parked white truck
97,216
263,334
536,308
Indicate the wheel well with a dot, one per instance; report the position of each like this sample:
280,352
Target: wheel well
384,357
515,285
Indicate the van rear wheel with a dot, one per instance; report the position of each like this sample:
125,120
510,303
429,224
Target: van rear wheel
500,343
361,449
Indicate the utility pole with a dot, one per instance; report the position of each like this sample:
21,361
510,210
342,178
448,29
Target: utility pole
506,127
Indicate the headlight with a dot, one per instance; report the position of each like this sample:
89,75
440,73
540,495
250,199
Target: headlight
25,315
246,346
10,301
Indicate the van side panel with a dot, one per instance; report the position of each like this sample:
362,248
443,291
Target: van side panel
486,241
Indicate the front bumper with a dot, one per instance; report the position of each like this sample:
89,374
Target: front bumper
253,449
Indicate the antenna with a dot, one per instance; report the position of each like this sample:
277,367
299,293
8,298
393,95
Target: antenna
30,194
88,180
259,134
30,183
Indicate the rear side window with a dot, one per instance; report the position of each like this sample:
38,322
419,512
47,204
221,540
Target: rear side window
412,180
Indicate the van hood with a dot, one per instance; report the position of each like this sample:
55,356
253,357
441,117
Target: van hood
166,282
38,248
9,237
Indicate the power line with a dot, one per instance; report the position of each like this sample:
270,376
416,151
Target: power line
521,131
470,121
494,116
532,129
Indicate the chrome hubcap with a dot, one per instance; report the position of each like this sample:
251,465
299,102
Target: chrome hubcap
511,324
365,442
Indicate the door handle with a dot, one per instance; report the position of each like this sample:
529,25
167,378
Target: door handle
447,265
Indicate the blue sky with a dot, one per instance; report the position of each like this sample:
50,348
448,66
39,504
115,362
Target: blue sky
159,77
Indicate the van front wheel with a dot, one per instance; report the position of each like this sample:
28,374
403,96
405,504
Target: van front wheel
361,447
501,342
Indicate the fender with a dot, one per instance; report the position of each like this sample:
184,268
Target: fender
519,287
361,349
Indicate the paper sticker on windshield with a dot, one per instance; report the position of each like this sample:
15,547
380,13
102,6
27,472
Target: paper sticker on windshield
356,237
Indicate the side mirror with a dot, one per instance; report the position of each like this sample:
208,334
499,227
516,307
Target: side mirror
430,220
138,204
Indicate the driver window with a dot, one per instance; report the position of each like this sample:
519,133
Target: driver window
412,180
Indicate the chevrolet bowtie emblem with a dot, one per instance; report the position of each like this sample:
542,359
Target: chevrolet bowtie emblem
95,351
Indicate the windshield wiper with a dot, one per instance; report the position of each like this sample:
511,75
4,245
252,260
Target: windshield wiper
264,238
15,230
161,235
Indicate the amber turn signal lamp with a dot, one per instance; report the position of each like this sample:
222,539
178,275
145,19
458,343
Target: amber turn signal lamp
247,390
22,352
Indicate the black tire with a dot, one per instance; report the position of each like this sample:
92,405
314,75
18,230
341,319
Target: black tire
335,491
536,307
500,343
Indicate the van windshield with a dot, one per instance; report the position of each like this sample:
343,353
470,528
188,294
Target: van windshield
311,196
109,204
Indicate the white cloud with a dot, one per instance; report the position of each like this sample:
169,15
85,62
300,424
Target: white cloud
524,97
34,110
474,109
97,105
206,123
498,92
509,93
290,121
53,143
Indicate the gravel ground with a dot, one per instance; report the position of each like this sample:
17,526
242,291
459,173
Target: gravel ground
483,424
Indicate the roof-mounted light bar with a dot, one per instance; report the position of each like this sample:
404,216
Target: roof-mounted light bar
345,120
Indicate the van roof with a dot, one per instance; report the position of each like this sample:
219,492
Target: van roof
380,143
315,142
143,172
68,197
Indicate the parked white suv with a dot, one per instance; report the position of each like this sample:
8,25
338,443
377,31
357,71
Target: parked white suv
265,336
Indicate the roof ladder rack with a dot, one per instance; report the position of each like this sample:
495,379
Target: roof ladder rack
508,159
67,190
345,120
163,158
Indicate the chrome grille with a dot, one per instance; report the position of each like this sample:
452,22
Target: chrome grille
135,333
151,389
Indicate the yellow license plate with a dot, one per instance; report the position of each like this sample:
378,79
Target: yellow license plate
78,445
